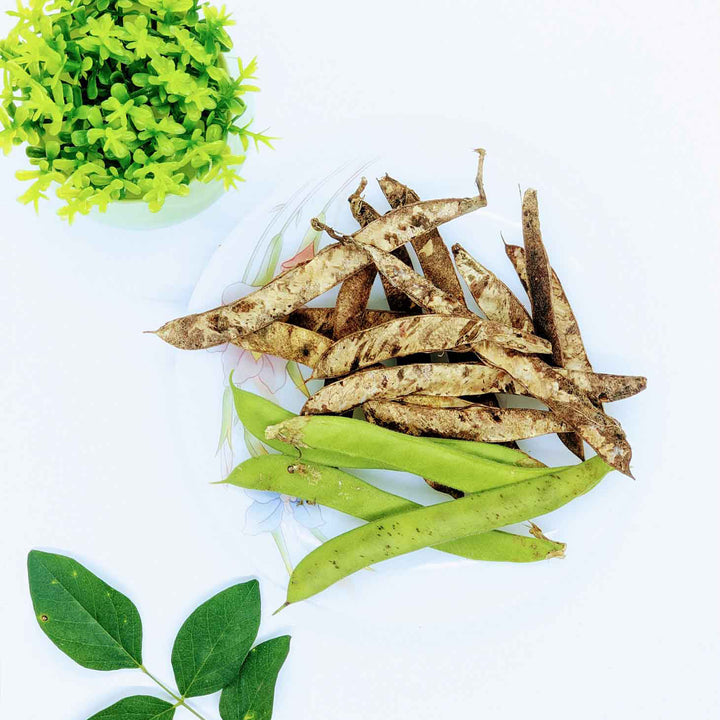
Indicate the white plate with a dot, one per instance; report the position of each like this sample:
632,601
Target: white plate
405,590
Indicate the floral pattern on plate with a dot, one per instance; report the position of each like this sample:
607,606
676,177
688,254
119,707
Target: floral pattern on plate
273,513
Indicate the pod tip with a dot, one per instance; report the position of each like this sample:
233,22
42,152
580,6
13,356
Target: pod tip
559,553
282,607
360,189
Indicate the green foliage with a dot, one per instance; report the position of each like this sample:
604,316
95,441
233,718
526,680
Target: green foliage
94,624
228,420
251,693
122,100
214,641
100,629
137,707
269,262
293,370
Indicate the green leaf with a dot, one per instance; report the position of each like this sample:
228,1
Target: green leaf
312,236
228,420
250,695
293,370
119,92
253,445
79,138
247,72
137,707
213,642
92,89
52,149
269,262
91,622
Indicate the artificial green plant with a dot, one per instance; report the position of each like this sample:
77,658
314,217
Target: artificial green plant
119,100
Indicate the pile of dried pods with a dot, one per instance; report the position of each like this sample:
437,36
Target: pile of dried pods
508,351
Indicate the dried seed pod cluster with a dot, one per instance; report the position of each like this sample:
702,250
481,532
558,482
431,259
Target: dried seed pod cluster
373,351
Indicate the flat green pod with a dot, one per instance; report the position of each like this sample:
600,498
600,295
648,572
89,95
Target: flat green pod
349,494
429,526
397,451
257,414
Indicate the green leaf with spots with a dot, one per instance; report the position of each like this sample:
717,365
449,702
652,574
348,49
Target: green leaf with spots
250,695
137,707
91,622
213,642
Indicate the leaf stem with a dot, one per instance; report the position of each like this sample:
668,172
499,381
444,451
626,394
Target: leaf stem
179,700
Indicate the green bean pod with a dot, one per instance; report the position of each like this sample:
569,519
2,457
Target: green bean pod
396,451
256,413
349,494
491,451
430,526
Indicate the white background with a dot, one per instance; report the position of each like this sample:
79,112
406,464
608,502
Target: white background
624,98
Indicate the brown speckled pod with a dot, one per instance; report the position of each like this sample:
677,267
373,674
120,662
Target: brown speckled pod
491,294
394,382
289,342
543,382
418,334
475,422
432,253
